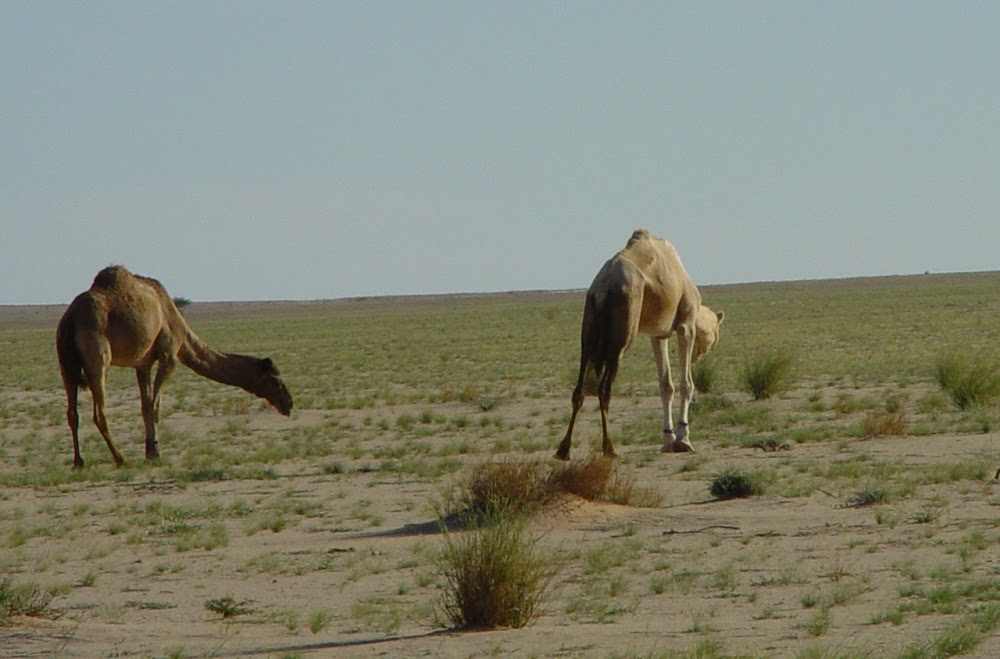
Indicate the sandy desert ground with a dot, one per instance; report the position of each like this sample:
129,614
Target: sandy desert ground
332,553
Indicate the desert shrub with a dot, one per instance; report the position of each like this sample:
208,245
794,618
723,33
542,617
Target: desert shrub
228,607
766,444
705,375
967,384
766,374
736,483
890,421
869,495
27,599
494,575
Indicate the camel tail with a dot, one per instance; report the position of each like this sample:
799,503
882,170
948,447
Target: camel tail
595,337
597,341
70,361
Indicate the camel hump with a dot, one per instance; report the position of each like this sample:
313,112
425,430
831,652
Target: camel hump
639,234
111,277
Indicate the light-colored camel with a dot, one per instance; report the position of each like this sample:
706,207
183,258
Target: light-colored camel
130,320
643,288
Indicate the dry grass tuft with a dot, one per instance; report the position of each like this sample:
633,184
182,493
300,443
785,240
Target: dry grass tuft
599,478
523,487
586,478
885,423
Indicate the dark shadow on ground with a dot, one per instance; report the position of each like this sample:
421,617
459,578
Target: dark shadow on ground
332,645
462,521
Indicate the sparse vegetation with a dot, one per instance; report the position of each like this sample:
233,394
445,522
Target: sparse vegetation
24,599
395,401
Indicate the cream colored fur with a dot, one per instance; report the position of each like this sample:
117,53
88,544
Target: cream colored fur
643,288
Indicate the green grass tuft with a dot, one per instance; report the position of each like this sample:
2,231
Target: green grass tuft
968,384
735,484
767,374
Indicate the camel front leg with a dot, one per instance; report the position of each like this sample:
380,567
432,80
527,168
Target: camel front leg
151,402
685,350
143,375
666,384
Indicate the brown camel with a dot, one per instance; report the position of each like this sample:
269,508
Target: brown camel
643,288
130,320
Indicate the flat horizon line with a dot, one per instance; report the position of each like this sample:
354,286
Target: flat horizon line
535,291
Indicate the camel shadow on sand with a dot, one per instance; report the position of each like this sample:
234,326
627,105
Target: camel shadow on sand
334,645
460,521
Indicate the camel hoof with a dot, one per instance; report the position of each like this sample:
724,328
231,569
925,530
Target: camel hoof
669,439
562,456
681,446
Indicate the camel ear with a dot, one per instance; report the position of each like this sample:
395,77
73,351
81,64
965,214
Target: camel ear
268,366
720,315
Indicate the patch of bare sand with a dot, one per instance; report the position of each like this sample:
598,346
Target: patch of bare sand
752,574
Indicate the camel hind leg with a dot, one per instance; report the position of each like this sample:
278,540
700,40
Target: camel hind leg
604,398
622,326
73,421
98,379
578,395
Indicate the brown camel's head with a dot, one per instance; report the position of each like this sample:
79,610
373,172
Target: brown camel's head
706,335
270,386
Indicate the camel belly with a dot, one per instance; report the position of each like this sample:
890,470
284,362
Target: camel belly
132,344
657,316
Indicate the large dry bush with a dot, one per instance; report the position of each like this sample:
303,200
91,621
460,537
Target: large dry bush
494,575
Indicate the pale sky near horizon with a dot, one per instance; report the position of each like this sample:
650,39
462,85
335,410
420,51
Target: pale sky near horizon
309,150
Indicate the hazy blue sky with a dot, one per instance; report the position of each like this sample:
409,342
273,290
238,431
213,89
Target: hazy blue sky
302,150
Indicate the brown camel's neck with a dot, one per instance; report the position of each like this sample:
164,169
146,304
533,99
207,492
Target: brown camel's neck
234,370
